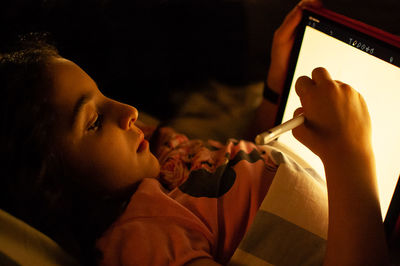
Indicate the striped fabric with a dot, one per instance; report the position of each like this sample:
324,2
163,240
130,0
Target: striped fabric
291,225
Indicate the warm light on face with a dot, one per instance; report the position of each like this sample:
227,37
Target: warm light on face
378,82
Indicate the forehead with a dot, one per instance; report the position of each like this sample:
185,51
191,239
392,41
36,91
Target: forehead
69,82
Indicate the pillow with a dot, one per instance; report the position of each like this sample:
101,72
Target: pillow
21,244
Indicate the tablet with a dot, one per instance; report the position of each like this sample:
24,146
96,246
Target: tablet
368,59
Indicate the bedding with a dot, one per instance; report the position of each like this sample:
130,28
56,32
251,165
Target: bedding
290,228
21,244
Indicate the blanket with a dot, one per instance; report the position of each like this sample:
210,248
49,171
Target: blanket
291,225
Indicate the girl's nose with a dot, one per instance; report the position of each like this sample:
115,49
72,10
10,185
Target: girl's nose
128,117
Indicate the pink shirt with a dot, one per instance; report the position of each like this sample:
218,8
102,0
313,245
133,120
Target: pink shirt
213,193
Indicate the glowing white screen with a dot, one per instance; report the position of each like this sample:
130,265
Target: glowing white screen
378,82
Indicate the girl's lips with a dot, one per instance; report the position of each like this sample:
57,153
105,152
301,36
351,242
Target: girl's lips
143,145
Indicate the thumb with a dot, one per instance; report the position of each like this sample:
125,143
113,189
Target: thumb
298,112
301,133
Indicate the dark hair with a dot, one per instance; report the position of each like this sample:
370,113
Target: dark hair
28,187
25,123
31,183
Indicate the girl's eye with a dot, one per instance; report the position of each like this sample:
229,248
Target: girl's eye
96,125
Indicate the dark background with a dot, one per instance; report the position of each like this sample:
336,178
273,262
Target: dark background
145,52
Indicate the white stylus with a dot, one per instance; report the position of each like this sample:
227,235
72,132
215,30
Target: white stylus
273,133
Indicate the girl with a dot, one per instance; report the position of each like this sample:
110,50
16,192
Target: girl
78,167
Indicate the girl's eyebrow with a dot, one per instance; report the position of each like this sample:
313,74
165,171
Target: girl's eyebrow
85,98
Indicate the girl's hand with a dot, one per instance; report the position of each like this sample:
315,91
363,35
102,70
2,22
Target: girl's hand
336,116
282,45
338,129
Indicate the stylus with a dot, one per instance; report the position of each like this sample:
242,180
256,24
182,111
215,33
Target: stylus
273,133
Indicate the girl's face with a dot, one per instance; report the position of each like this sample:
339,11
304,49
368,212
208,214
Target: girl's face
97,135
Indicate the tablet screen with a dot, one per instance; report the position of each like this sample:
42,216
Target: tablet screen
369,66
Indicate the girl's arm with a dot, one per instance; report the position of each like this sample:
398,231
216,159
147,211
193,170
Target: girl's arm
280,52
338,130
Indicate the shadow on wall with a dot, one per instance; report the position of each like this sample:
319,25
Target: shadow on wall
141,52
144,52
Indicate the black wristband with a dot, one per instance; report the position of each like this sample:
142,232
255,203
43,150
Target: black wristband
270,95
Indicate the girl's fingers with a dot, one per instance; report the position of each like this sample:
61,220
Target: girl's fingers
320,74
298,112
290,23
302,84
312,3
301,133
293,18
